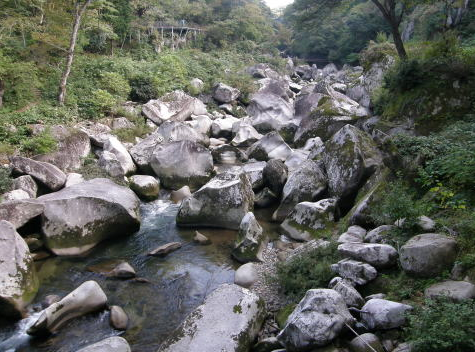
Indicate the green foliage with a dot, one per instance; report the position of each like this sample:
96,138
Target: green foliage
98,103
431,87
399,203
42,143
115,84
443,326
378,51
283,315
5,180
307,271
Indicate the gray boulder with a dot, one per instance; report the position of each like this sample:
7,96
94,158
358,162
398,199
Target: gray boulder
350,158
250,240
269,111
87,298
245,275
255,172
308,219
379,234
19,212
224,93
183,163
111,344
178,195
200,123
175,106
26,183
275,175
378,255
228,320
381,314
16,194
316,321
271,146
361,342
428,255
106,210
351,296
73,146
246,135
114,146
356,272
146,187
223,127
172,131
141,153
306,184
121,123
97,132
118,318
18,280
354,234
222,202
73,179
48,174
111,165
455,290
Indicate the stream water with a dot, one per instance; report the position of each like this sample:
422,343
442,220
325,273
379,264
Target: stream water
178,284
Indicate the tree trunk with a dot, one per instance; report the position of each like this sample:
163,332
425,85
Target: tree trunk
401,51
2,91
79,11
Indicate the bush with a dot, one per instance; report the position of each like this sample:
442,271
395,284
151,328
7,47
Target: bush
115,84
142,89
99,103
398,203
307,271
443,326
42,143
5,180
377,52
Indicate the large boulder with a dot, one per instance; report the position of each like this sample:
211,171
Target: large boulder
142,152
457,291
18,281
224,93
73,146
146,187
246,135
316,321
275,175
428,255
48,174
200,123
111,165
246,275
271,146
19,212
87,298
250,241
378,255
114,146
172,131
306,184
97,132
77,218
223,127
354,234
255,172
183,163
379,314
111,344
270,108
350,158
222,202
344,287
228,320
27,184
175,106
308,219
356,272
361,343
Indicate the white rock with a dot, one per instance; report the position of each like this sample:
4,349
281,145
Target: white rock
245,275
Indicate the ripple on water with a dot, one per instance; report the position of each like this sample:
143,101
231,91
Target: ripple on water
178,283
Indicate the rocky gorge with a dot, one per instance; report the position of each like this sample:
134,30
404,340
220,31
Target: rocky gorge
145,252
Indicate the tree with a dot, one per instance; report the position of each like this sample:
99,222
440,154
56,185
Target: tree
393,11
79,9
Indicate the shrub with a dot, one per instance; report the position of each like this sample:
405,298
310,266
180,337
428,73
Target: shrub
99,103
5,180
377,52
143,89
307,271
443,326
42,143
115,84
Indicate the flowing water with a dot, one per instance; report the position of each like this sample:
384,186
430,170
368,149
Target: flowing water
177,284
